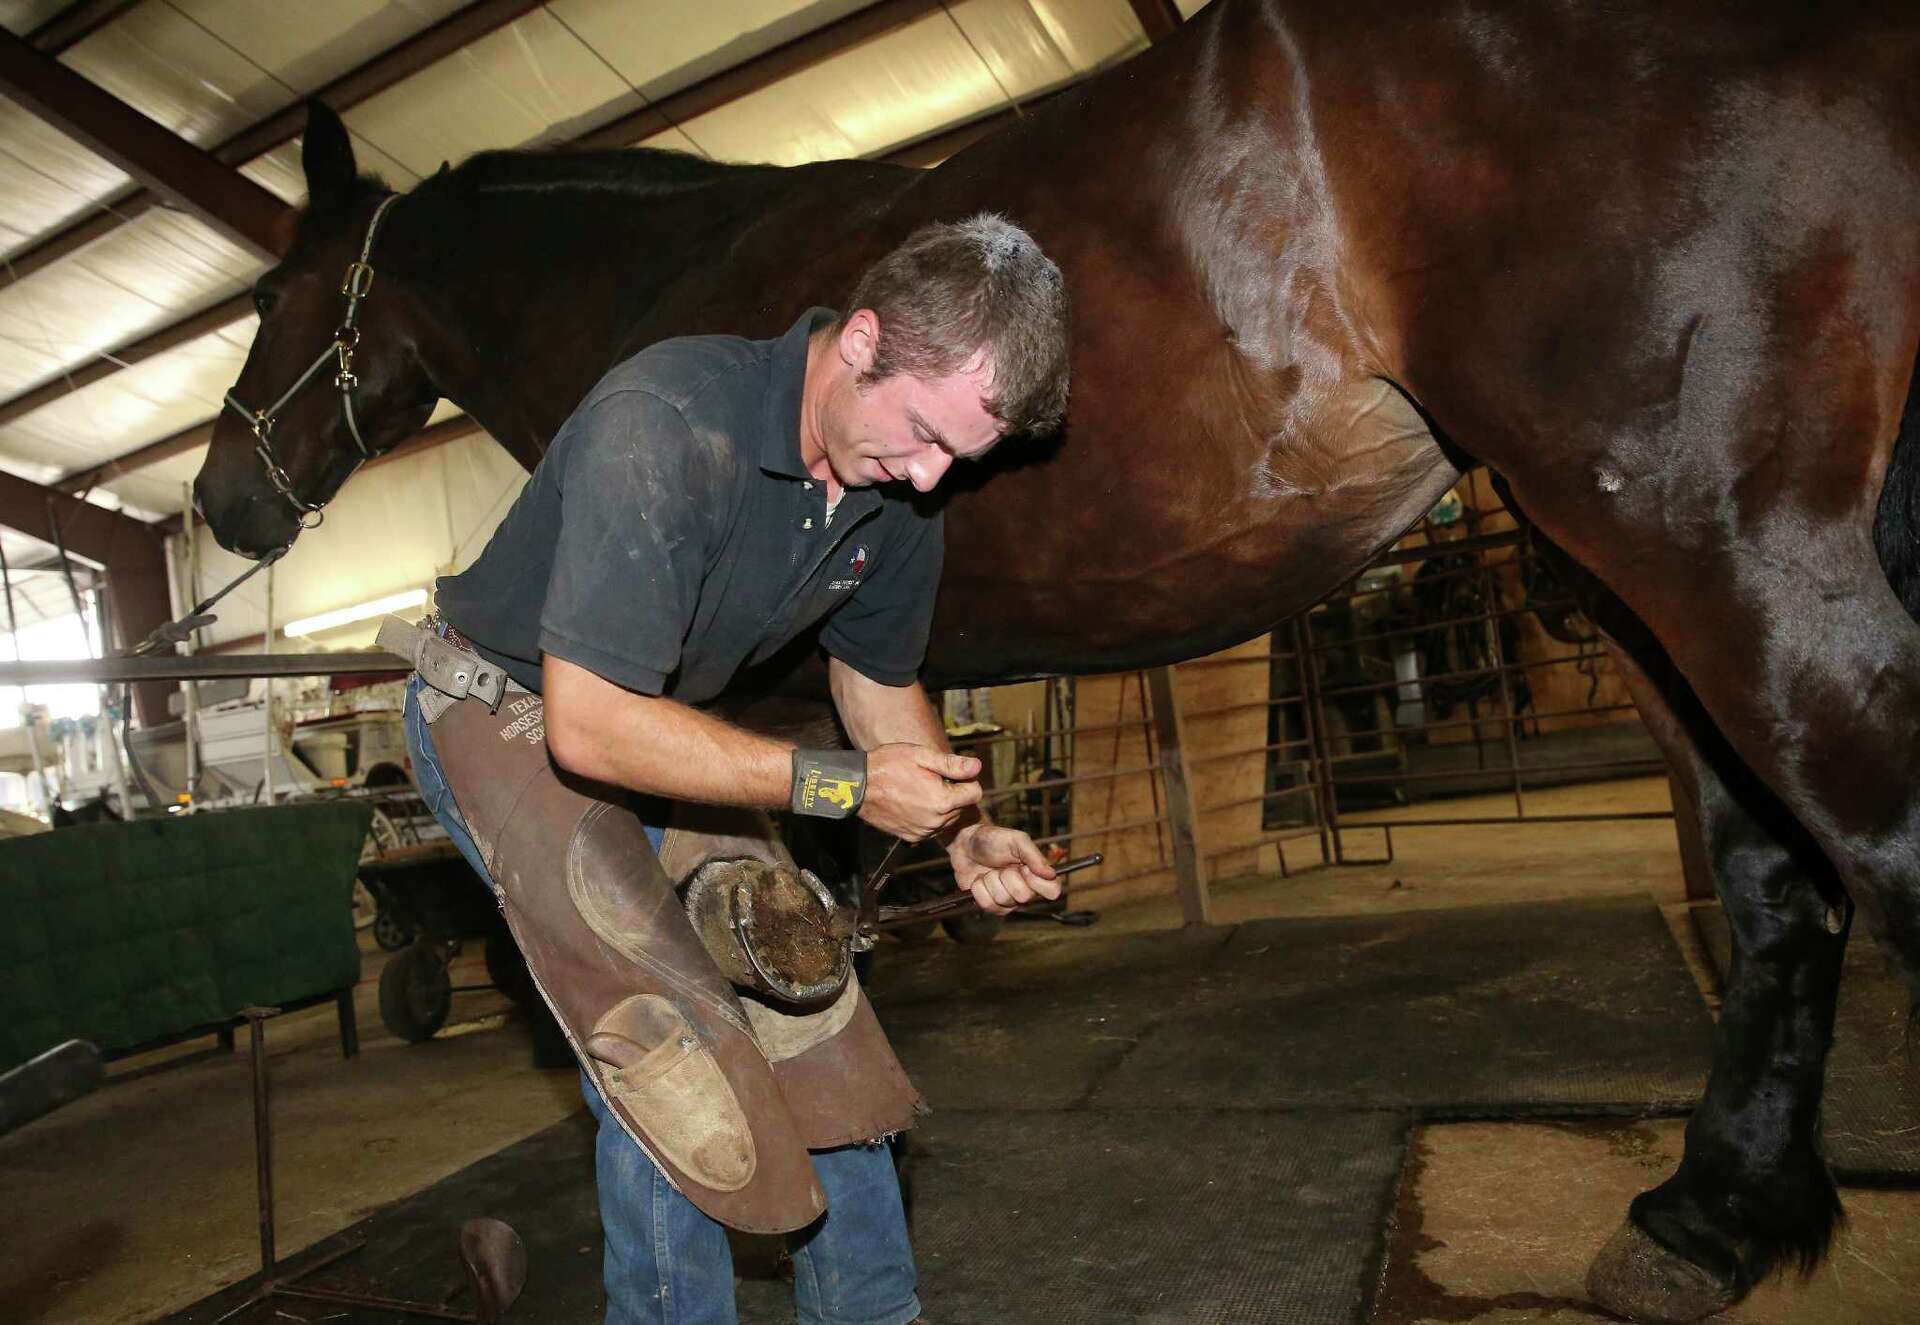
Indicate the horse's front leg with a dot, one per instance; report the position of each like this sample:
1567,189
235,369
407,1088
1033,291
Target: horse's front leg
1752,1192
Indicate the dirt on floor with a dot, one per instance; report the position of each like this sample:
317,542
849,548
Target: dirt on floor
1496,1223
140,1198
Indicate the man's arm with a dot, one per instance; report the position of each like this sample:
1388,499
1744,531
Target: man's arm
1001,866
656,745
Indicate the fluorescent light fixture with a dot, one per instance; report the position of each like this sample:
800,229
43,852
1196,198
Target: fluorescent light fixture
346,616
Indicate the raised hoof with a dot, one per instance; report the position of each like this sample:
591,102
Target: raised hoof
1636,1277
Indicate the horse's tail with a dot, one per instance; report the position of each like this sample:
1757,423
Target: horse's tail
1896,527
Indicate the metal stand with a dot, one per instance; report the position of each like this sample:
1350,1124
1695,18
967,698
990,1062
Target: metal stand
495,1282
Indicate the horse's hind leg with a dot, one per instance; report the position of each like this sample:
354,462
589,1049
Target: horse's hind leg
1752,1191
1809,666
1751,560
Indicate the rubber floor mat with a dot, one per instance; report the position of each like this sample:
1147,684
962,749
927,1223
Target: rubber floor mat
543,1186
1870,1114
1179,1218
1190,1127
1565,1008
1054,1219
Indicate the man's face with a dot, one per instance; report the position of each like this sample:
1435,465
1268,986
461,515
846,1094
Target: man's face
909,429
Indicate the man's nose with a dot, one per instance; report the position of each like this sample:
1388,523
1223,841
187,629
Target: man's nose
924,471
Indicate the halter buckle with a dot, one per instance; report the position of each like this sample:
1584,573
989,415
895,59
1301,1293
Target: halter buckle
358,280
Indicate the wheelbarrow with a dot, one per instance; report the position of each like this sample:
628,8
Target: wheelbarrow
431,890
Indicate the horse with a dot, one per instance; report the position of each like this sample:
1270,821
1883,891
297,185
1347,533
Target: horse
1655,266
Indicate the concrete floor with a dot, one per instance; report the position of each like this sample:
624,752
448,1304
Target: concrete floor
139,1199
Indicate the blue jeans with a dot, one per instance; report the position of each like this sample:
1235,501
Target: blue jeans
666,1262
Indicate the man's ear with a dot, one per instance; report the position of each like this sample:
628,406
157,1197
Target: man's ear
860,340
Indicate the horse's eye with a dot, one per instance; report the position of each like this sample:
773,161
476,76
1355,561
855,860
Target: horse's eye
263,301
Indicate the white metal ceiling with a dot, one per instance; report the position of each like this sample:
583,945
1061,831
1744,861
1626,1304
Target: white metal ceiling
209,68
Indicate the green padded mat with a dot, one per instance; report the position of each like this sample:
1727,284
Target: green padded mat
1870,1115
129,933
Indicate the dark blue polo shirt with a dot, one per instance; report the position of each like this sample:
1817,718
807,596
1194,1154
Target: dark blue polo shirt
671,535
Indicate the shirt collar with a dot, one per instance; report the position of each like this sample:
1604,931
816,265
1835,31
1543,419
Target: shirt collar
780,450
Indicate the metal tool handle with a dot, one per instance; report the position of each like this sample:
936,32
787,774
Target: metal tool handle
964,900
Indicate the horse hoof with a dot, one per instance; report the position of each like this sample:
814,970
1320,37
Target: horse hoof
1636,1277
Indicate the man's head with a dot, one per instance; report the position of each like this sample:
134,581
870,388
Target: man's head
955,339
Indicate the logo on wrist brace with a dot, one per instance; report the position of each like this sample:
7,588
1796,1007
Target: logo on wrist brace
828,784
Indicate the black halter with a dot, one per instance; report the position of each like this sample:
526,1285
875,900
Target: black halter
354,286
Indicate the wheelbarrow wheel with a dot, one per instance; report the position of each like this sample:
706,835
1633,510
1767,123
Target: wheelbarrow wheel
416,992
389,932
977,928
507,969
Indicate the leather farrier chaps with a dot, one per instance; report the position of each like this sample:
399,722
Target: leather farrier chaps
726,1093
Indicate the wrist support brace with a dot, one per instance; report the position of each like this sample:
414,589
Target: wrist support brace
828,784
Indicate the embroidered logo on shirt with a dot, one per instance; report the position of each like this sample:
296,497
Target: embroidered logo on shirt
855,564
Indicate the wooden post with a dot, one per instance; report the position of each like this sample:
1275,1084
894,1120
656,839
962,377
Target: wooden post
1694,867
1196,906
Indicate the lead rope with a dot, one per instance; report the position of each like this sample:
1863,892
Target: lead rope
179,630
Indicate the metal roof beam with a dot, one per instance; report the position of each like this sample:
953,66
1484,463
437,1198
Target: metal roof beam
758,73
133,551
164,162
450,34
149,453
444,38
205,322
76,23
86,530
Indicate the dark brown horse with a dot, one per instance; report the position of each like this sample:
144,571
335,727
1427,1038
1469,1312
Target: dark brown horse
1657,265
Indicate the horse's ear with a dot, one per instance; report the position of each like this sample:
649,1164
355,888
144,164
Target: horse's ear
327,155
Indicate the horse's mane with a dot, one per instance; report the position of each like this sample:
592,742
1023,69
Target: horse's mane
628,172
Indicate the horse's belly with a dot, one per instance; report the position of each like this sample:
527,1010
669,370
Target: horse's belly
1220,534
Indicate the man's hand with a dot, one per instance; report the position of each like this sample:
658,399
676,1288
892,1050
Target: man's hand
1001,866
913,791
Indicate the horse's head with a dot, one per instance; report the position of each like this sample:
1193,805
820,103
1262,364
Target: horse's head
334,376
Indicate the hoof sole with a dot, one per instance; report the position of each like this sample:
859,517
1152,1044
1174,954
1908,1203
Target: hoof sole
1636,1277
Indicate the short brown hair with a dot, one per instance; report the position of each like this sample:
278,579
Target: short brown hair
953,289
